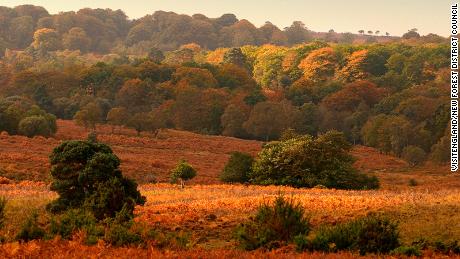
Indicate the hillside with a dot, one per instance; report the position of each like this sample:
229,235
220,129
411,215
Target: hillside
143,158
146,158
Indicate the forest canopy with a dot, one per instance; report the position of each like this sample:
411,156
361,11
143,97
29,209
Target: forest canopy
106,31
222,76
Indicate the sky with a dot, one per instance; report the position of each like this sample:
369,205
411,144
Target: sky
393,16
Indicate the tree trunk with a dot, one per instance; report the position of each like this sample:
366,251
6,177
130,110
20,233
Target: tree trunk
182,184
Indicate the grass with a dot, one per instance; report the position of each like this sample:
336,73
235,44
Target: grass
211,212
22,201
433,222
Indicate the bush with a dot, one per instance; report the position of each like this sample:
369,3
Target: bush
111,197
36,126
183,172
117,230
30,230
301,243
87,174
413,182
119,234
407,251
307,162
369,234
442,247
414,155
237,168
281,221
447,247
75,219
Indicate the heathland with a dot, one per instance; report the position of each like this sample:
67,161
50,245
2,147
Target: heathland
292,143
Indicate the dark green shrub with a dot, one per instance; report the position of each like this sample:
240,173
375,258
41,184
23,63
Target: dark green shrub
307,162
182,172
446,247
120,234
443,247
332,239
87,174
301,242
30,230
278,222
413,182
371,234
407,251
237,168
18,115
36,125
377,235
111,197
75,219
117,231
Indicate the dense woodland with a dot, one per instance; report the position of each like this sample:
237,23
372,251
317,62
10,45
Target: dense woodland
106,31
222,76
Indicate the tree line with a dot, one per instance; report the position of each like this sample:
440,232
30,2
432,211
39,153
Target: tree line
390,96
33,28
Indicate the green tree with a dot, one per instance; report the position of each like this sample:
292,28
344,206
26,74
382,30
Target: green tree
237,168
269,119
86,174
46,40
156,55
306,162
413,155
140,122
411,34
232,121
76,38
236,57
117,117
199,110
42,98
133,96
182,172
21,31
297,33
36,125
65,108
89,116
390,134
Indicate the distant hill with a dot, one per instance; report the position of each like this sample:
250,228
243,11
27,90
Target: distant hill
103,30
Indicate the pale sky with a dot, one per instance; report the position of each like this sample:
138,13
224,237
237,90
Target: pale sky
393,16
